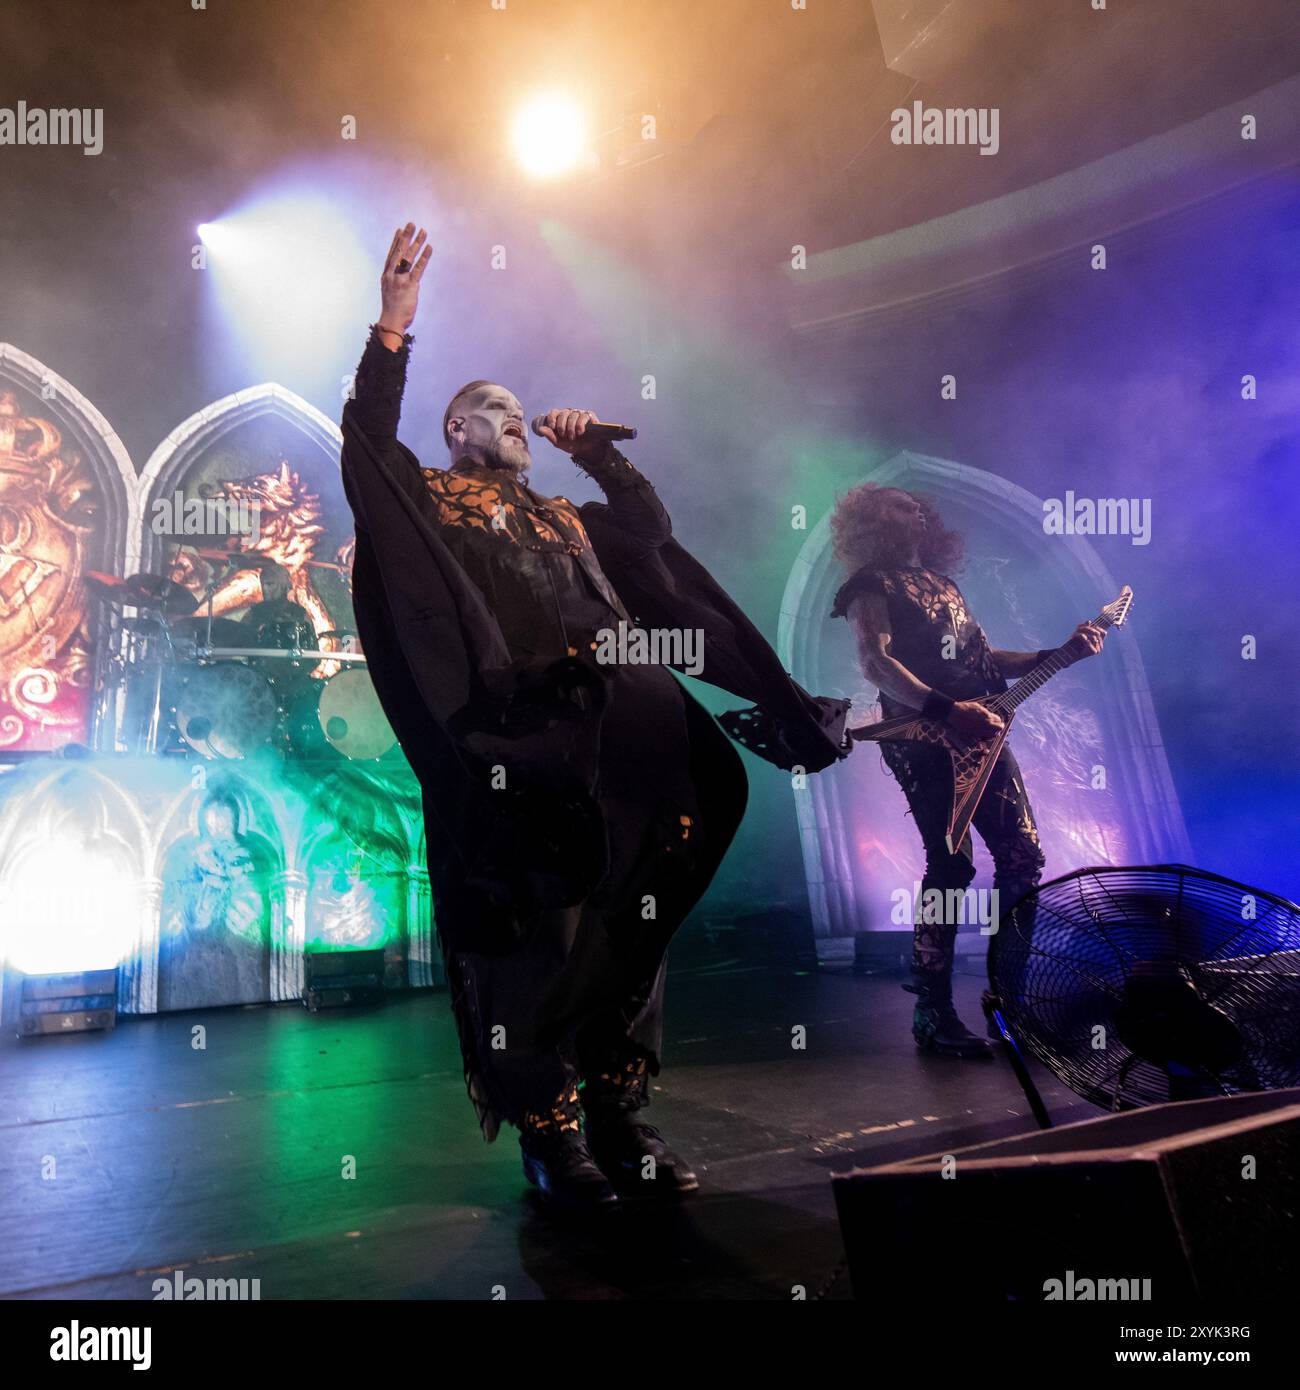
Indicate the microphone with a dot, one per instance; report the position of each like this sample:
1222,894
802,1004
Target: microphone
596,429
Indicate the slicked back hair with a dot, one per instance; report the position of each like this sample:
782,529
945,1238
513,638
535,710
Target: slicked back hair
464,391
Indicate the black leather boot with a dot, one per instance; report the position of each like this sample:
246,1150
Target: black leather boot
936,1029
558,1162
629,1150
636,1158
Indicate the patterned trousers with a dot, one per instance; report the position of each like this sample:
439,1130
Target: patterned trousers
1004,821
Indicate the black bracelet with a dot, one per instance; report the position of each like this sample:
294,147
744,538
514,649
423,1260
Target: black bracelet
1044,654
937,706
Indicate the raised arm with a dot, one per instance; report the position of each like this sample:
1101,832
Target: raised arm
375,407
399,284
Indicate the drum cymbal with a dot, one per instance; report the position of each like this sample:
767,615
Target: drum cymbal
105,585
239,559
142,591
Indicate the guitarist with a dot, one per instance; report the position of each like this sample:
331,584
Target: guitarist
919,643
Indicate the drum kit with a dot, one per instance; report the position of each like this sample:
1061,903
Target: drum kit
175,677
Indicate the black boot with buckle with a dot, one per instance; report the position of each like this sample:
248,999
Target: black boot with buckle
557,1161
631,1152
936,1029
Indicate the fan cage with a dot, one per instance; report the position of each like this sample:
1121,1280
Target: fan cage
1064,955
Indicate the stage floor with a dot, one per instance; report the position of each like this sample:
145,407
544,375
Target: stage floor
228,1162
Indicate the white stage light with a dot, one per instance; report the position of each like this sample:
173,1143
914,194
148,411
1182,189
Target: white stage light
292,285
71,905
216,236
549,136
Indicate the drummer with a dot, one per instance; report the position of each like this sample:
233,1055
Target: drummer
277,621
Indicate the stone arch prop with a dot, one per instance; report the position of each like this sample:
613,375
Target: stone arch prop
73,852
268,448
355,868
859,847
425,961
170,462
225,927
108,862
68,504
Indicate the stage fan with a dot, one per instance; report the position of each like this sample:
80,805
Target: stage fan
1136,986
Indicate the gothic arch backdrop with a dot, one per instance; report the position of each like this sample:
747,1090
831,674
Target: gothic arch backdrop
1028,589
265,447
67,505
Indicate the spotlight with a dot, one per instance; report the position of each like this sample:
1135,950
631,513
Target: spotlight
287,277
216,236
549,136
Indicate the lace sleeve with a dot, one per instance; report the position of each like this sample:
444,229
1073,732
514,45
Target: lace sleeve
633,512
376,405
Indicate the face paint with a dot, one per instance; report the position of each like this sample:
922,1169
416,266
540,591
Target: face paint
494,433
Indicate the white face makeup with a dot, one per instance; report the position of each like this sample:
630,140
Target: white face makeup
493,429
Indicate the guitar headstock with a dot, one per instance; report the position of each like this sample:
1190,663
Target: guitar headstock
1115,614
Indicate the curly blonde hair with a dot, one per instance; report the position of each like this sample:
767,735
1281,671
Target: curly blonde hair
862,537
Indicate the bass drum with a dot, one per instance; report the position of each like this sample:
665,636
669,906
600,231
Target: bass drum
341,715
288,674
226,711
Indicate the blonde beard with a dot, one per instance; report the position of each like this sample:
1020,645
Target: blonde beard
506,458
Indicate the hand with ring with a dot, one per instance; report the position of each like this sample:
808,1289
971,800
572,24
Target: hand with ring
399,285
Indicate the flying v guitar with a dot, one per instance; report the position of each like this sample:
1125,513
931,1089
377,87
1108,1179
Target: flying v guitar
972,763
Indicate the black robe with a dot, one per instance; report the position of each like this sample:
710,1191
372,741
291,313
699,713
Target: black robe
463,709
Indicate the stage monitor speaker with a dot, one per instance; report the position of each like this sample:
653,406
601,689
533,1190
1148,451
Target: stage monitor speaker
68,1002
335,979
1198,1199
